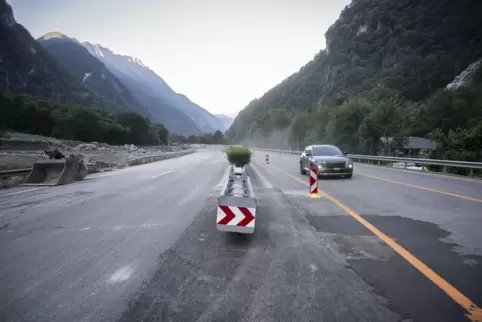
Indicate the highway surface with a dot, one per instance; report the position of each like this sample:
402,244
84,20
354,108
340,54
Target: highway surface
140,244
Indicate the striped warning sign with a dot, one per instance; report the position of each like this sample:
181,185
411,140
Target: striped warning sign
236,219
314,183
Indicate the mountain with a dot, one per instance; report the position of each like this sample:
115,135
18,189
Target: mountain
148,87
26,67
411,47
59,68
227,121
91,72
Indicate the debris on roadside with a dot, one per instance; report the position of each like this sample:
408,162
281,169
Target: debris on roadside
20,150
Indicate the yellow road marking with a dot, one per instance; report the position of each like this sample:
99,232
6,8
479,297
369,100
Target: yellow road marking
423,188
474,313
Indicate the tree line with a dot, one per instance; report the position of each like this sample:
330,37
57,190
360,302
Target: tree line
28,114
205,138
363,123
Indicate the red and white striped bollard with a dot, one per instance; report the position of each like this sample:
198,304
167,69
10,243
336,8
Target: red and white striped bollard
314,183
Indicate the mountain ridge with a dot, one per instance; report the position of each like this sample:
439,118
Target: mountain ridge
154,86
227,121
411,47
91,72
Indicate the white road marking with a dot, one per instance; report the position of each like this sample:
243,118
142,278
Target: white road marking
19,192
162,174
122,274
104,174
204,158
148,225
265,182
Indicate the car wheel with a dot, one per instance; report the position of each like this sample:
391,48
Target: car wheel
302,170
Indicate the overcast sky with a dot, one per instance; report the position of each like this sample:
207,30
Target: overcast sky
220,53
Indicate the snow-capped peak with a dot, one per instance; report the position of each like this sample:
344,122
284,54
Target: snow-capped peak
98,51
54,34
139,62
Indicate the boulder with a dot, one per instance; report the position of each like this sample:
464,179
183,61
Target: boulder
86,147
132,147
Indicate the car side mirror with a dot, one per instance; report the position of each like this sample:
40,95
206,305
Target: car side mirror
345,153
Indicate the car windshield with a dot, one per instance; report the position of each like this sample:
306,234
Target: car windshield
326,151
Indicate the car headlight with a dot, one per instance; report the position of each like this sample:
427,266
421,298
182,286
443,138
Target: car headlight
349,164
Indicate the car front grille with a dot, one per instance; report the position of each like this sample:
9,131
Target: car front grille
335,165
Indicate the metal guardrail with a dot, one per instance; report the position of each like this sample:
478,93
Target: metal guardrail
443,163
237,203
390,160
154,158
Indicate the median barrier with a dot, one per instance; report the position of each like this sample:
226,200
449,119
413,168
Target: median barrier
155,158
236,203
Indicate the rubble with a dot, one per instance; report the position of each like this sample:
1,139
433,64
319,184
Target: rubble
104,155
86,147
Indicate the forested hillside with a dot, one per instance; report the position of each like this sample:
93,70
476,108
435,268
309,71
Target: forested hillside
89,71
380,75
26,67
175,110
24,113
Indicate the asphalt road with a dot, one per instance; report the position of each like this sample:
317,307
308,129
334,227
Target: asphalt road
140,244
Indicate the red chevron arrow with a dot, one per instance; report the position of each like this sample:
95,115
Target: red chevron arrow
229,215
248,217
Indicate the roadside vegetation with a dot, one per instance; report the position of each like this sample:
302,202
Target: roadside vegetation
205,138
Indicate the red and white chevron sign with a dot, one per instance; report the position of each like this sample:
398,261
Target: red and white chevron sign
314,183
234,218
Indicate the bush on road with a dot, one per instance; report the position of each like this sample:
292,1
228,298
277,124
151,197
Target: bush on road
238,155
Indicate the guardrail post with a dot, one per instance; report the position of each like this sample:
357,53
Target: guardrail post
471,172
314,183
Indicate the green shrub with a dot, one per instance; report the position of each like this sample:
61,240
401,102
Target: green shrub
238,155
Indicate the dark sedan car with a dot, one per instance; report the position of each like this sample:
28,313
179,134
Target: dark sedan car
329,160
